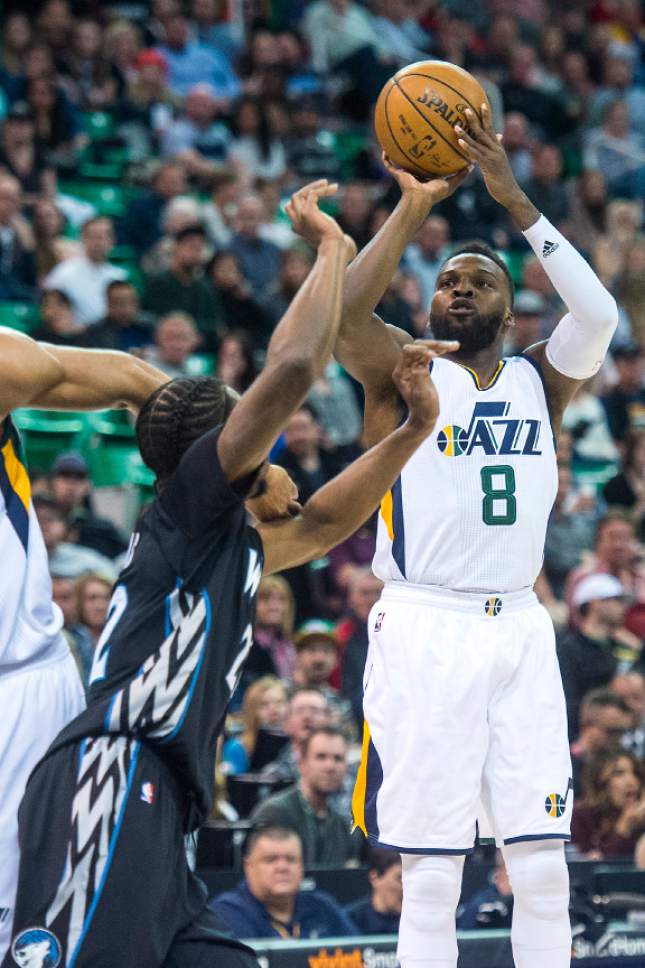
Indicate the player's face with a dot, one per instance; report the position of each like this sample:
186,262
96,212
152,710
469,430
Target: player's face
471,302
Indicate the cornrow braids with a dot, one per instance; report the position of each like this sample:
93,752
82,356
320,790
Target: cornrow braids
175,416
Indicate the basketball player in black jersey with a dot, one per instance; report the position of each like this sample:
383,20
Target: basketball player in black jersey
104,880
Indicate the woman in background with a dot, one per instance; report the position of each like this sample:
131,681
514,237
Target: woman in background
264,706
611,817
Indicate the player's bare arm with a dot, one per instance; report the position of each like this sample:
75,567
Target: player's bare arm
577,346
64,378
300,346
342,505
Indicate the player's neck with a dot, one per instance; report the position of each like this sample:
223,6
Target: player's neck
484,363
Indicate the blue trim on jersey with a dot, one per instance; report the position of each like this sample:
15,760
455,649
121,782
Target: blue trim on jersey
398,529
207,628
529,837
112,848
16,510
108,715
446,851
373,783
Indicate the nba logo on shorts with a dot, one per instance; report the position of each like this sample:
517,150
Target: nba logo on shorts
492,606
379,621
36,948
147,792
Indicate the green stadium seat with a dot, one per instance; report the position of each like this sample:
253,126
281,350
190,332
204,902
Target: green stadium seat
23,316
45,433
123,255
112,424
515,263
200,364
101,171
107,198
97,125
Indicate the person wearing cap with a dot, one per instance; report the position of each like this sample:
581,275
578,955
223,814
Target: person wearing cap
183,287
625,403
71,488
529,310
591,655
316,658
305,807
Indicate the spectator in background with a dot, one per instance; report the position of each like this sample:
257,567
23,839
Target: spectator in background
380,912
84,278
55,123
308,465
591,655
295,265
71,488
316,658
66,559
400,33
86,76
259,259
631,687
264,706
48,223
211,28
521,92
181,213
334,403
58,324
269,903
16,37
529,312
545,184
146,110
625,403
325,836
610,818
587,209
22,156
307,711
238,305
355,211
190,62
255,149
197,138
570,531
17,258
183,287
617,150
631,289
78,637
586,420
310,150
93,593
492,907
605,718
618,84
122,327
219,213
424,257
141,224
627,488
363,591
235,365
273,628
176,339
517,145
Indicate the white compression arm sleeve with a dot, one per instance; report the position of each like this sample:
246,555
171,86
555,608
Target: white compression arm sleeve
581,339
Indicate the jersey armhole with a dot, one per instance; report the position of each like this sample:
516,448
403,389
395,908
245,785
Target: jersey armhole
538,369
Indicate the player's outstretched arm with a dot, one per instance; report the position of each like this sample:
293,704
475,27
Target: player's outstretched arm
576,348
64,378
300,346
339,508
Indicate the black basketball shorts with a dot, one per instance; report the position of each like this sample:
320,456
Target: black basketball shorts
104,881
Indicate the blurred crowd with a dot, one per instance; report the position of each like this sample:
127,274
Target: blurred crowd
146,151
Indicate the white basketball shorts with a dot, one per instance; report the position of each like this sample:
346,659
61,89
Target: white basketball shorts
35,704
464,709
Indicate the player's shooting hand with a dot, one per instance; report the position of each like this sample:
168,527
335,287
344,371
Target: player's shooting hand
412,379
484,148
309,222
430,191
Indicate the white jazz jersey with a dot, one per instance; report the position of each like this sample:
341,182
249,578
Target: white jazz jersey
30,623
470,509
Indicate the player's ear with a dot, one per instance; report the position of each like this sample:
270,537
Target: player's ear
509,319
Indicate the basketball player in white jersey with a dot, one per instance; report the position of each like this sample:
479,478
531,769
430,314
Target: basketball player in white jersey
463,699
40,690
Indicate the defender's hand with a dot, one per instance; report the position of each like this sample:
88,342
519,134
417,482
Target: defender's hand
307,220
279,498
484,148
412,379
429,192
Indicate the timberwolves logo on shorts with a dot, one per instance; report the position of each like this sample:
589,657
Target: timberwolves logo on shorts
492,606
36,948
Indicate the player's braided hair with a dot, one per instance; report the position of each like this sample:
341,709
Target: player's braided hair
481,248
175,415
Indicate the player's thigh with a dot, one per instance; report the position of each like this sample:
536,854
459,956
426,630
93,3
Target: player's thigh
102,851
527,776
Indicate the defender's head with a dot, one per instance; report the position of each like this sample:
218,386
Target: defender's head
179,413
473,299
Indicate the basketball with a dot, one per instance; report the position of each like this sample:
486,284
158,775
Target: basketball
416,114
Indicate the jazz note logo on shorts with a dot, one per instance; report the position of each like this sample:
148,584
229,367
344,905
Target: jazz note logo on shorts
555,804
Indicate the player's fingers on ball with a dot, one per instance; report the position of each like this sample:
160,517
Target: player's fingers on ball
487,121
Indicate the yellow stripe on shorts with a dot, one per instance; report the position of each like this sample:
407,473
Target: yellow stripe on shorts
360,788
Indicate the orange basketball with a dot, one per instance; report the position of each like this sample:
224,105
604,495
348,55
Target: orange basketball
416,114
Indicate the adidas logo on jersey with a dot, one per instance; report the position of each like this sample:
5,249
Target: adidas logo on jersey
493,431
549,247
